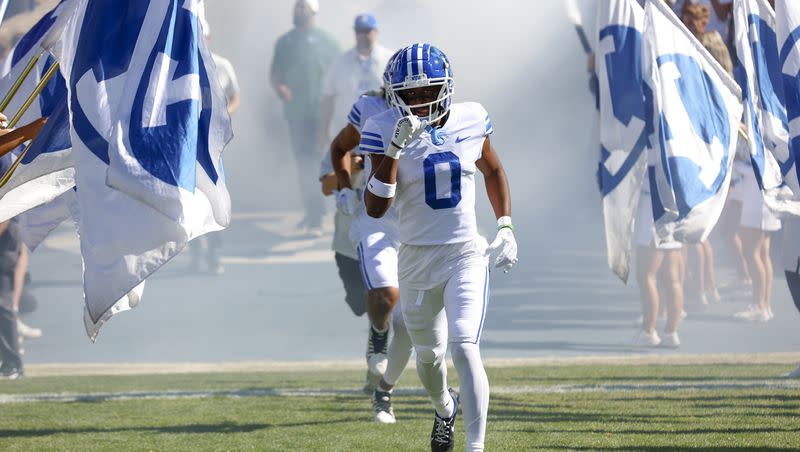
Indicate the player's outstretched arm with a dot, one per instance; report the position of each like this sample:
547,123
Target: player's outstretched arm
503,250
381,185
496,180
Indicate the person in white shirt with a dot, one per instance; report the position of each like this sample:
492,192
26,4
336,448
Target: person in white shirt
206,248
352,74
228,81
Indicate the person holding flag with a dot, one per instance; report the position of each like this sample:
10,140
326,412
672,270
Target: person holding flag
149,187
13,263
696,109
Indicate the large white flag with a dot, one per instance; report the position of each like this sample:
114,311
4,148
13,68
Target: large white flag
787,15
148,125
623,124
764,103
788,31
45,171
696,113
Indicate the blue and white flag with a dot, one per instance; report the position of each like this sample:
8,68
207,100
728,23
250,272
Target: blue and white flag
46,169
149,123
787,16
3,8
764,103
37,223
43,172
623,124
696,112
788,31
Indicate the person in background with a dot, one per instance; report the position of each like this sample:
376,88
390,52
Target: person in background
358,71
211,242
720,17
696,18
301,59
13,260
352,74
345,253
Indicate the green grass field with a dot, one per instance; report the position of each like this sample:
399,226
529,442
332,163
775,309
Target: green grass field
570,407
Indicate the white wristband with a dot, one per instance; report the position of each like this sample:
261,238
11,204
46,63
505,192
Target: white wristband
505,222
381,189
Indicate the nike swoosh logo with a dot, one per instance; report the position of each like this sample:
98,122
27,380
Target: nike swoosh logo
459,139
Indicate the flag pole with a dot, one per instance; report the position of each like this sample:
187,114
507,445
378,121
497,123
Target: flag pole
38,90
18,83
49,75
743,132
10,172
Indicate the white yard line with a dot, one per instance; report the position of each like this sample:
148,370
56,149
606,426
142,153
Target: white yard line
676,386
48,370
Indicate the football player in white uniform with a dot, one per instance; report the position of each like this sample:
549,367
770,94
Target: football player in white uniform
377,245
426,153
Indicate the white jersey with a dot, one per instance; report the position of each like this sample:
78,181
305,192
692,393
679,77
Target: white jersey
227,76
436,174
365,108
363,224
351,75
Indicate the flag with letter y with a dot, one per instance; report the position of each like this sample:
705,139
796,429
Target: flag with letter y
787,16
696,112
764,103
46,169
148,126
623,124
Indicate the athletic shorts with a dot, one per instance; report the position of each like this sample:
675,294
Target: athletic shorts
444,290
755,213
377,253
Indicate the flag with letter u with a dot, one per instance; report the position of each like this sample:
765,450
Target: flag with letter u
764,103
696,112
623,124
148,126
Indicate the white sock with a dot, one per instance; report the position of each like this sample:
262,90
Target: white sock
474,392
383,331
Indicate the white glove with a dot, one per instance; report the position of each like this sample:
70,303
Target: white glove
503,250
405,130
346,201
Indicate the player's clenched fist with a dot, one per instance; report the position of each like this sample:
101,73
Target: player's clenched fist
405,129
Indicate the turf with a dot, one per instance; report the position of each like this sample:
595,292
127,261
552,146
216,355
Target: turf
651,418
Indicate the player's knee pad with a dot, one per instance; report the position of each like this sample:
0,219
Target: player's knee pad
464,351
431,355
